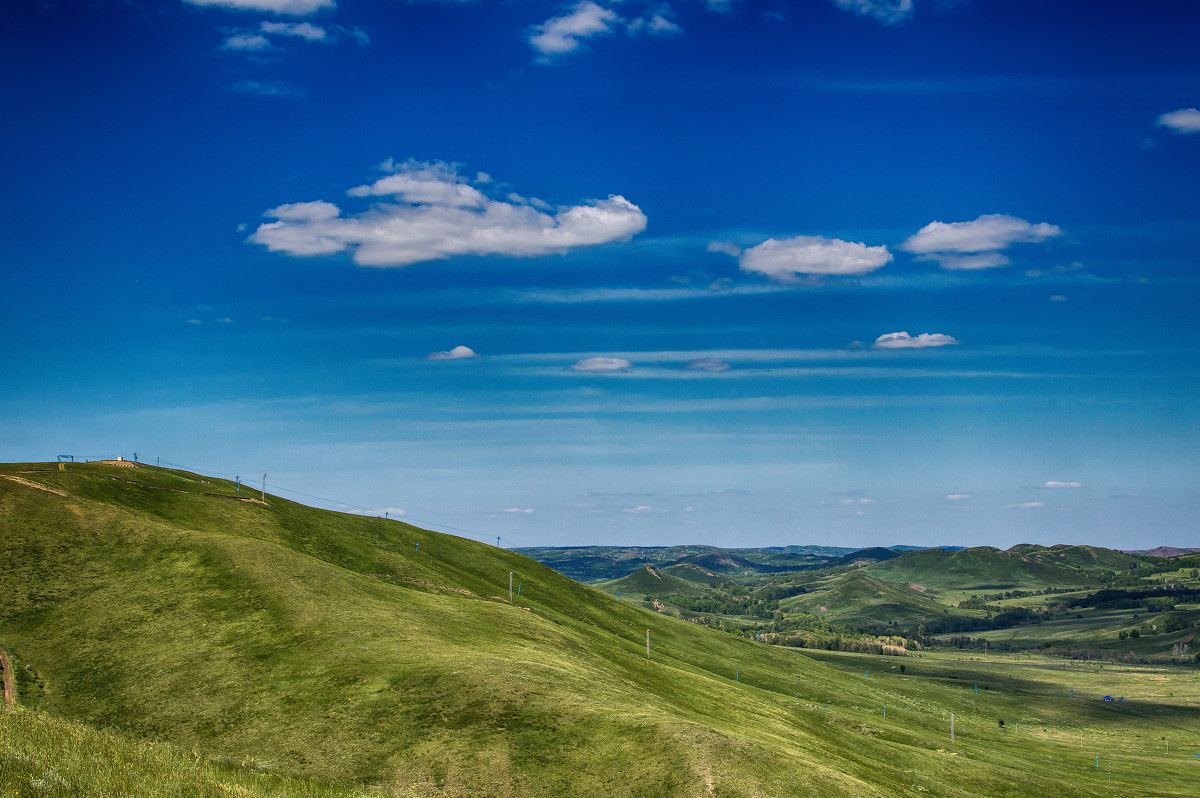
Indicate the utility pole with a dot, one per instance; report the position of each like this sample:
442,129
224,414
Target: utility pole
647,644
510,596
264,490
951,727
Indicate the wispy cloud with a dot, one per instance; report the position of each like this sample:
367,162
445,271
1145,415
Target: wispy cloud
301,30
1063,485
266,37
565,34
586,295
977,244
1025,506
888,12
709,364
1185,120
656,21
246,42
293,8
586,20
957,497
268,88
602,364
433,213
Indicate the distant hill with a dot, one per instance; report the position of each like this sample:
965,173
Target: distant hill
730,564
979,568
862,600
593,564
1085,558
1163,551
874,554
650,581
693,573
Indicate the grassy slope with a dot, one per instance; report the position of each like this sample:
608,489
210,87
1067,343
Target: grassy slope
858,599
694,573
46,756
1084,558
981,569
253,632
647,582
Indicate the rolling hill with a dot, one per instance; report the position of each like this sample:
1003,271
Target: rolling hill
143,605
982,568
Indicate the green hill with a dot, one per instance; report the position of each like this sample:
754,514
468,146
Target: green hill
694,573
860,600
1085,558
154,605
982,568
651,581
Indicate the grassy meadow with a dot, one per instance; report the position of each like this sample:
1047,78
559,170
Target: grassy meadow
173,627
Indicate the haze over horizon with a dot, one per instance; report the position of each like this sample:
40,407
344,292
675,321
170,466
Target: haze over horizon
831,272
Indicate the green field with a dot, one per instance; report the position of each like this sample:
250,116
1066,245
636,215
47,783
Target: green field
165,624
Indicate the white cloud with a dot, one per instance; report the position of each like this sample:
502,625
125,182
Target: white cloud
888,12
457,353
727,247
1063,485
958,497
302,30
526,511
433,213
1025,506
975,244
564,34
720,6
245,42
707,364
902,340
1185,120
810,255
426,184
656,21
854,502
1058,298
292,8
268,88
964,263
992,231
602,364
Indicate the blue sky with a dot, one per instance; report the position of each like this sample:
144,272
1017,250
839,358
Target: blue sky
851,272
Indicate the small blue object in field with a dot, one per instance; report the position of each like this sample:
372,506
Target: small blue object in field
1108,698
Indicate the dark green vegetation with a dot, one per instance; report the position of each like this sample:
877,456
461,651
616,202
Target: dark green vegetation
601,563
1079,601
330,654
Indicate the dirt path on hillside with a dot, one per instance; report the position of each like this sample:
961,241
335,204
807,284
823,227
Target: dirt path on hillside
10,684
30,484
